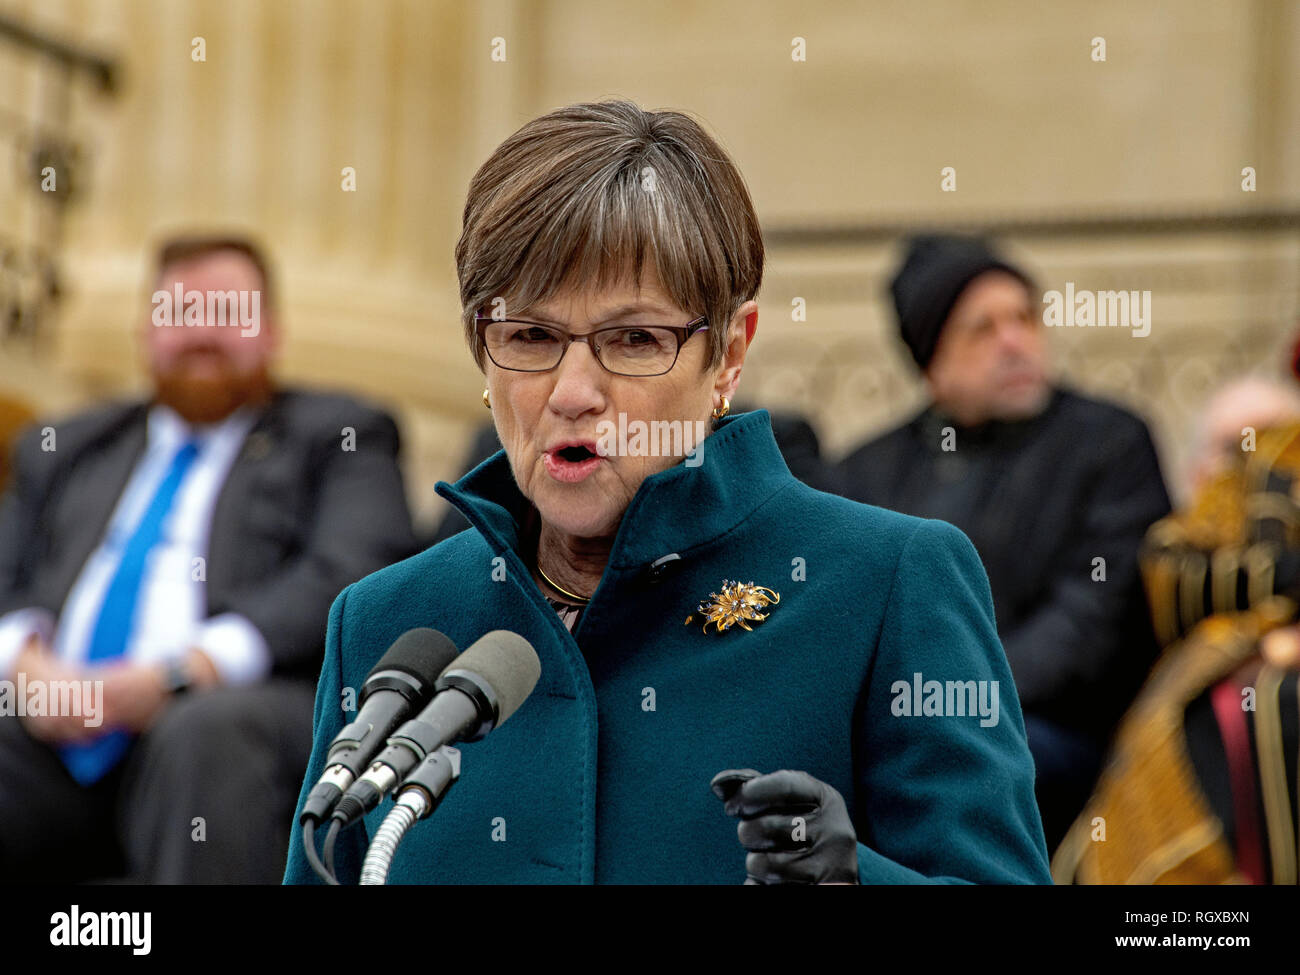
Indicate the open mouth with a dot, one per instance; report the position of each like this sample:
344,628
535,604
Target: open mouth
572,462
575,454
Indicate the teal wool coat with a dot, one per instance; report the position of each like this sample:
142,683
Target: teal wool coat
603,774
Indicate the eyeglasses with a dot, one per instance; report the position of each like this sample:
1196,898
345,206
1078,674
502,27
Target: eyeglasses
624,350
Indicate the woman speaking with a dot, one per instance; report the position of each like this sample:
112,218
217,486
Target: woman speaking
742,679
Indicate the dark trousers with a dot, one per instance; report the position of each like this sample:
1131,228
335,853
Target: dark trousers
205,796
1066,765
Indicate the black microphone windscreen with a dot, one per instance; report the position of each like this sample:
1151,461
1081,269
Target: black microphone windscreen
423,653
508,663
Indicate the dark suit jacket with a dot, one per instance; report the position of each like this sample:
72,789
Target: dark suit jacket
297,520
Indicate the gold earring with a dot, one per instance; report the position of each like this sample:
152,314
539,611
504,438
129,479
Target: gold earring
720,411
487,400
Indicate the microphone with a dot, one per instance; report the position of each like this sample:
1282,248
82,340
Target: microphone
477,692
400,683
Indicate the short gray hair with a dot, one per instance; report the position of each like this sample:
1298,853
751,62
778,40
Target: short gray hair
584,194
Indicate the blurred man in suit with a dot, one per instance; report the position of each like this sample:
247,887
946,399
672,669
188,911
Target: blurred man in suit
1055,489
183,550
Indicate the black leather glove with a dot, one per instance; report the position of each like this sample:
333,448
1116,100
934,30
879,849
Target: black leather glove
796,828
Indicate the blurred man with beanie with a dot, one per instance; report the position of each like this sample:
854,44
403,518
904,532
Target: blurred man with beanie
1055,490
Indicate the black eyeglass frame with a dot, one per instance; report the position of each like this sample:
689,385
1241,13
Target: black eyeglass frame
682,333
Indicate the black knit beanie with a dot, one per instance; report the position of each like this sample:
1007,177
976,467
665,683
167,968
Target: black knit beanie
937,268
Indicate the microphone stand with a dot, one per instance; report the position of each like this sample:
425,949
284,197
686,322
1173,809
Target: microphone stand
419,795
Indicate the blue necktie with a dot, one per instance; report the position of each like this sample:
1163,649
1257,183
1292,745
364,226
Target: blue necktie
89,761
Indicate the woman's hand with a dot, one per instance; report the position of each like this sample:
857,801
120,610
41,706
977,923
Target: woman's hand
796,828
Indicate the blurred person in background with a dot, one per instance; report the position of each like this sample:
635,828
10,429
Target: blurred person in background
1235,416
1044,481
1200,785
1233,544
184,550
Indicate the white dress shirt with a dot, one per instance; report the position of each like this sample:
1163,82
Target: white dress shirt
171,612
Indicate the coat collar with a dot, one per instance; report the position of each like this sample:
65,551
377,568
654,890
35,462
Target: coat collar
673,511
931,423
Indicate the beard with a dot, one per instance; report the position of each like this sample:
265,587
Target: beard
210,395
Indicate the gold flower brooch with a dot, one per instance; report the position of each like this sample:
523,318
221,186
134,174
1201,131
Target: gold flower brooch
738,603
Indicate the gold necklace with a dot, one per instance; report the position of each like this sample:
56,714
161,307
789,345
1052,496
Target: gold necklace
558,588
